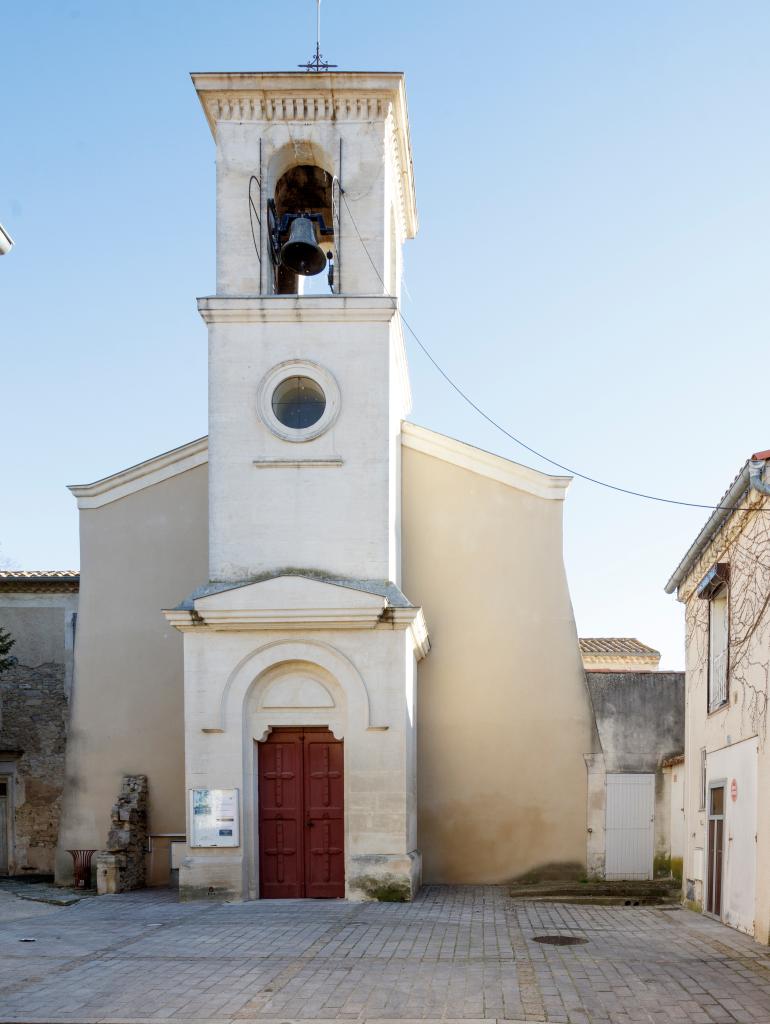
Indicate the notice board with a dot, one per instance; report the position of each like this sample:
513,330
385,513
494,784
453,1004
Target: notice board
214,817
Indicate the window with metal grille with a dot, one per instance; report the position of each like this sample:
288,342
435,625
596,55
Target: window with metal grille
719,642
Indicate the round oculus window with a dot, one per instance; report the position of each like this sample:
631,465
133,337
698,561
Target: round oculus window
298,402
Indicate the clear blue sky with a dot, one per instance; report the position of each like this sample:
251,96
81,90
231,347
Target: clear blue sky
592,264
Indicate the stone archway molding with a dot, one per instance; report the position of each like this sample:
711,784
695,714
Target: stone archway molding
251,668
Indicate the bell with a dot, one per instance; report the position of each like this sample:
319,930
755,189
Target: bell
302,253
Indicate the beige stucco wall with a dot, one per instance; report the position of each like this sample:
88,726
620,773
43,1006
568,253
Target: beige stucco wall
743,543
139,554
504,719
503,709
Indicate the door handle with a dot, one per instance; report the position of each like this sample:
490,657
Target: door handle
309,823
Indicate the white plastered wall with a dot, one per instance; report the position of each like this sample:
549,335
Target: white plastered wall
330,503
363,681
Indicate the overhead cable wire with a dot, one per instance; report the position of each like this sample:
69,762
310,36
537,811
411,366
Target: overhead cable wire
517,440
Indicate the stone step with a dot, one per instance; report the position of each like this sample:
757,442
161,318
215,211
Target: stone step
628,893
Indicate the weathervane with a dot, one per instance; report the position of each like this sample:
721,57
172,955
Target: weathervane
317,63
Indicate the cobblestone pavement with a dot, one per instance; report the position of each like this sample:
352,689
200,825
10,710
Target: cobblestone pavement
12,908
464,952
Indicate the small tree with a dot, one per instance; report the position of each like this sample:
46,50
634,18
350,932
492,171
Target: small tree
6,643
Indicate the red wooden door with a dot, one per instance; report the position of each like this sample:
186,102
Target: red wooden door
281,853
324,835
301,825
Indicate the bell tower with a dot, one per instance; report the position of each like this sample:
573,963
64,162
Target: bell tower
301,650
308,377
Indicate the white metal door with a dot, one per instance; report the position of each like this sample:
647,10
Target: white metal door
736,767
630,826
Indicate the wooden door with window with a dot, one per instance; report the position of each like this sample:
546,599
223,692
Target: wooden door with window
716,825
301,815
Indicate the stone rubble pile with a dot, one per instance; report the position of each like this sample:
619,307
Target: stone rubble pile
122,866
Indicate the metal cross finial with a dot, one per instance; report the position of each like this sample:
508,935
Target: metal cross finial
317,63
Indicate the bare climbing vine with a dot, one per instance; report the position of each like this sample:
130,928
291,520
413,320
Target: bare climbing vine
744,544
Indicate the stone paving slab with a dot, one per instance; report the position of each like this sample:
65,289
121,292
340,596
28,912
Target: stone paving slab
42,892
455,954
12,908
288,1020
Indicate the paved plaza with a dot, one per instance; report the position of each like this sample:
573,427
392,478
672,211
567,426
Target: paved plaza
464,952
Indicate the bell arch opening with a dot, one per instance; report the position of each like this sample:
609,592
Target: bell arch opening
301,219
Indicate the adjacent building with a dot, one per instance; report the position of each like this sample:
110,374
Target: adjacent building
635,814
617,654
39,611
724,583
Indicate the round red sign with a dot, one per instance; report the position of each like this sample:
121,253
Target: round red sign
734,790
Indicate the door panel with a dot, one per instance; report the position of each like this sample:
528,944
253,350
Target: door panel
325,838
630,826
715,851
714,881
301,815
281,836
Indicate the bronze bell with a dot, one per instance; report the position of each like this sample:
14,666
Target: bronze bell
302,253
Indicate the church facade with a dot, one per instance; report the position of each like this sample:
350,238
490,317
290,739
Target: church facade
340,647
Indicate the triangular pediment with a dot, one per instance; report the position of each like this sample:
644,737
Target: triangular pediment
293,601
291,593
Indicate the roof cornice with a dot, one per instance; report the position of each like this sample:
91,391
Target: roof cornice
476,460
270,309
733,498
355,607
189,456
288,96
145,474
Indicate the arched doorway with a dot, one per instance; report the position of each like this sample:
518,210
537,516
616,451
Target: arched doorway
300,787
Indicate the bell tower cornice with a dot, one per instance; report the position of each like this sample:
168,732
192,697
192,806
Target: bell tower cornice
309,97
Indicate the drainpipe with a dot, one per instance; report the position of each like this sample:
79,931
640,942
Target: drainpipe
756,476
6,242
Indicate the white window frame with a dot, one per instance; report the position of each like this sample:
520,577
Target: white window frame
719,649
703,787
298,368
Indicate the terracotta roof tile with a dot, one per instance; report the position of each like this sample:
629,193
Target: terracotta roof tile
36,574
626,646
39,581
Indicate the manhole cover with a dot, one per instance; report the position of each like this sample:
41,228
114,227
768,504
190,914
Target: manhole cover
560,940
